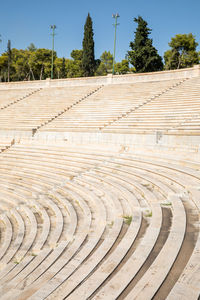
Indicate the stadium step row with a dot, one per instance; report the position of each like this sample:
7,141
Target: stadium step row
88,224
41,107
176,110
109,108
109,103
137,108
10,97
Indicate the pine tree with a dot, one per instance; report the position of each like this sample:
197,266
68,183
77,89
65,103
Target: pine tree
183,53
88,60
144,56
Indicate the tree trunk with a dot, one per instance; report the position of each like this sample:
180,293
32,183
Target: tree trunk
41,72
8,71
32,74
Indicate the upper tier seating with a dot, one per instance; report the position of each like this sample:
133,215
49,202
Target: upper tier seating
40,107
177,110
106,105
9,97
171,106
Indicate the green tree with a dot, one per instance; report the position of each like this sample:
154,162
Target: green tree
144,56
122,67
60,67
77,55
183,52
27,64
63,69
74,65
31,47
3,67
101,70
105,66
40,63
9,52
88,60
10,71
107,59
20,69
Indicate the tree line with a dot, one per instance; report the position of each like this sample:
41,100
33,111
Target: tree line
35,64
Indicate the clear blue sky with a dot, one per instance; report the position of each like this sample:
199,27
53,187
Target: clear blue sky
26,21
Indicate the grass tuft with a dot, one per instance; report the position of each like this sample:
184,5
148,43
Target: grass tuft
166,203
111,224
127,219
148,213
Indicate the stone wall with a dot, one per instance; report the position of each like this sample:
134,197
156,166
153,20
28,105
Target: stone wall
165,141
104,80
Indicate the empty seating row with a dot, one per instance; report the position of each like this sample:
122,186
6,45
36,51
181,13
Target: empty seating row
41,107
177,110
171,106
93,224
109,103
9,97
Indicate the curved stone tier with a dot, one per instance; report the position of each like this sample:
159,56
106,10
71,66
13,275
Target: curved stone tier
80,223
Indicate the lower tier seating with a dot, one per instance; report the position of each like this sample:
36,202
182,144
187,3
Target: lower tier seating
86,223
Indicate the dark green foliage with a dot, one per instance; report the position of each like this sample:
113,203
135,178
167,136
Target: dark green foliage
101,70
77,55
107,60
88,60
3,67
183,52
26,65
144,56
74,66
105,64
31,47
40,63
97,64
60,68
9,52
122,67
63,69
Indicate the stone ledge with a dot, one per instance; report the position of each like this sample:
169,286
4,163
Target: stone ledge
105,80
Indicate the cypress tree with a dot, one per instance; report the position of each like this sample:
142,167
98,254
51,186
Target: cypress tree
88,60
144,56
